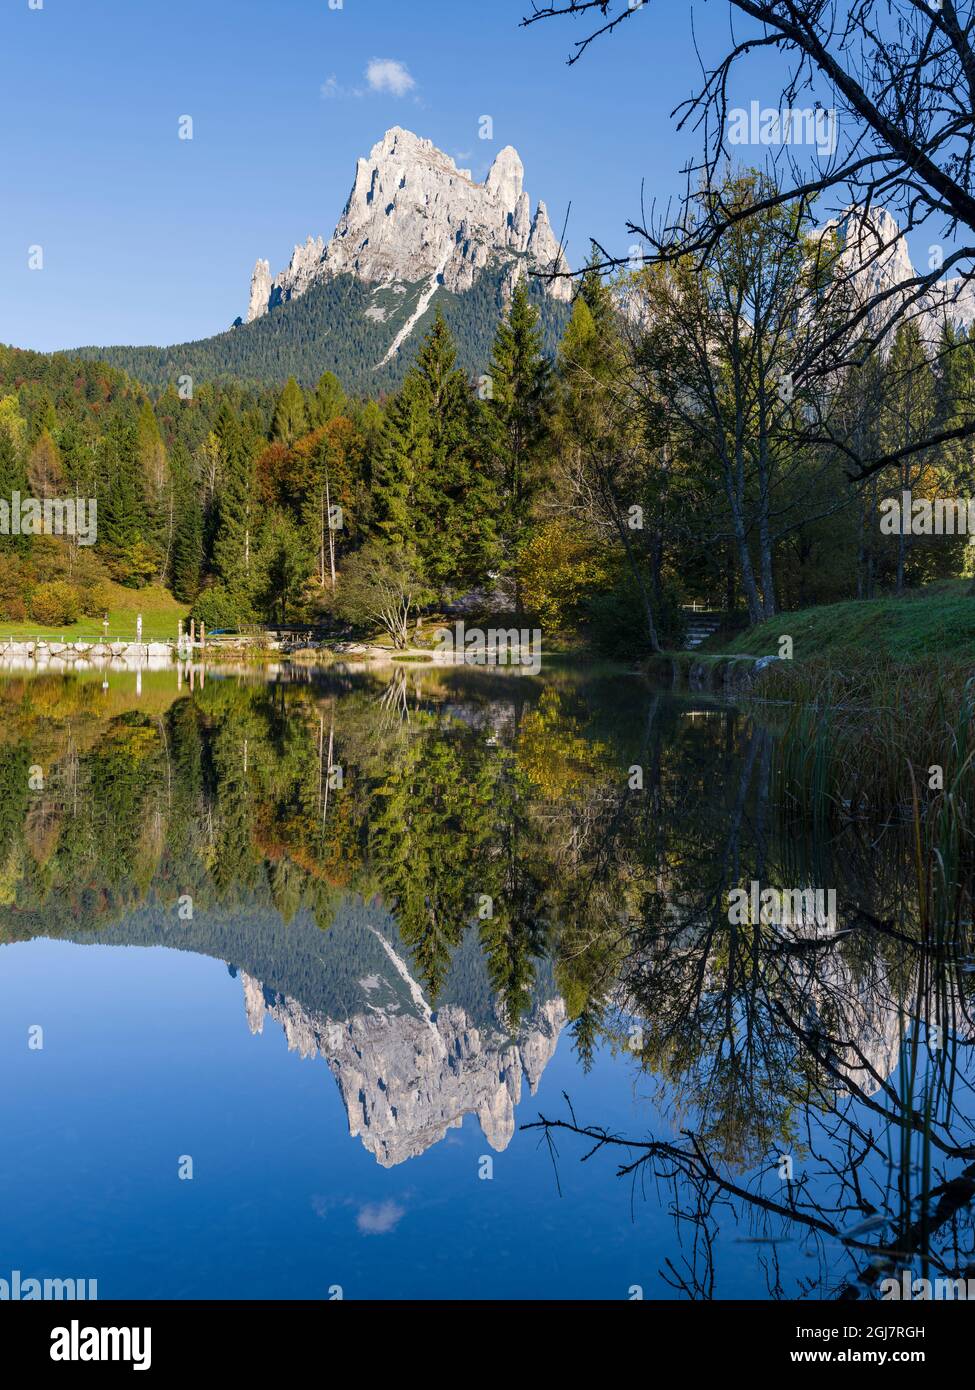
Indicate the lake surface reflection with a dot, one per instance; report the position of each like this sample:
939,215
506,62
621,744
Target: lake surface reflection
289,965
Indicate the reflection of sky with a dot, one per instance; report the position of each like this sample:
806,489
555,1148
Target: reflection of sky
147,1057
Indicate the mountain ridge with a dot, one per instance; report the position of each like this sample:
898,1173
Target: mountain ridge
330,328
417,234
874,254
412,215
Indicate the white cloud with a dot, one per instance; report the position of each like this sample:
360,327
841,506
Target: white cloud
331,88
388,75
379,1218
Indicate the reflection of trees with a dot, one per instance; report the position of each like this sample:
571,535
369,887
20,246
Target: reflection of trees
427,837
444,805
769,1045
508,805
878,1185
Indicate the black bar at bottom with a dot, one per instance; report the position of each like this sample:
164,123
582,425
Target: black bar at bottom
243,1337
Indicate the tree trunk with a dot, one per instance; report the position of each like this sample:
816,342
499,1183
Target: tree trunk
331,535
623,530
752,598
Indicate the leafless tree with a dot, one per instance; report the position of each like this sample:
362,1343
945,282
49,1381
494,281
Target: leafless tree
900,77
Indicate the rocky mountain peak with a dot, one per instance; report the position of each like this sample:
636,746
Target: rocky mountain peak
414,216
407,1075
260,295
876,259
506,178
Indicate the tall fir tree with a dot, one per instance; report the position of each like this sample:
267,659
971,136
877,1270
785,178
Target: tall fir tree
290,414
13,479
516,426
123,509
186,560
433,492
235,513
328,402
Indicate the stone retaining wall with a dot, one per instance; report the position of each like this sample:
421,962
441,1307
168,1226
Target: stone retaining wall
41,654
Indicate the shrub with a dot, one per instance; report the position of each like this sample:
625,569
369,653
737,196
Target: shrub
99,599
559,568
134,565
13,582
13,610
56,603
221,609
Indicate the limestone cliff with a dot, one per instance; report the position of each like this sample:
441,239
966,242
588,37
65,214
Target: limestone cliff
412,216
876,262
408,1074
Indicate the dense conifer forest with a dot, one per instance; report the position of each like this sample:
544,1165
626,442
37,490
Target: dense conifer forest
594,479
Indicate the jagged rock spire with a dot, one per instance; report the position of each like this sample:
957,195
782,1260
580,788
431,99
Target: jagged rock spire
412,215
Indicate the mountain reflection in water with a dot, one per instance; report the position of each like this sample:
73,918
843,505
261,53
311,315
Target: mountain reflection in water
435,882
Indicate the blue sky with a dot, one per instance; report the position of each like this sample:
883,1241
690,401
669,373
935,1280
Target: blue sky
151,239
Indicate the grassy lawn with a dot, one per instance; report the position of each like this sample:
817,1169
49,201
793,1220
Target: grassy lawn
938,620
160,619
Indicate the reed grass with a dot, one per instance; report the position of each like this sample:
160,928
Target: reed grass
860,739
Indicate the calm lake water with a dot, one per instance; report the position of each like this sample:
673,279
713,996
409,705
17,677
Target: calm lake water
289,964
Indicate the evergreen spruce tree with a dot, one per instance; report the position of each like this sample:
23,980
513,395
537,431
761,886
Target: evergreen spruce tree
515,419
186,560
595,293
234,534
329,401
123,510
404,458
290,414
13,478
434,496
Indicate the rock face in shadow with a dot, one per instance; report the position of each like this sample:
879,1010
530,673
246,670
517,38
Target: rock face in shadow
408,1074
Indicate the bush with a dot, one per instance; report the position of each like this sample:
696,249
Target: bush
559,568
99,599
134,565
13,610
13,582
56,603
221,609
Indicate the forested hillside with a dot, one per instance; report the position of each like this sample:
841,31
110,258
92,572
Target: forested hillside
646,459
343,326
